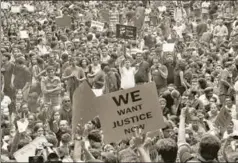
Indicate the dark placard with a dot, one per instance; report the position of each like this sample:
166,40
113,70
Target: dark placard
125,32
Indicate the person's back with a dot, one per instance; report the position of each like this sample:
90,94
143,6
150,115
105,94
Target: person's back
208,150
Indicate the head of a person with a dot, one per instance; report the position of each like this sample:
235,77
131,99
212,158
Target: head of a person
181,65
56,116
208,92
94,136
95,60
208,77
19,95
50,71
229,101
167,149
163,103
214,109
230,127
65,138
24,107
209,147
127,63
213,100
6,57
156,61
109,157
104,51
63,125
31,119
84,62
66,101
39,130
139,57
20,62
73,61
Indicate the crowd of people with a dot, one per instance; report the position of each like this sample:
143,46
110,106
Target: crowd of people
43,63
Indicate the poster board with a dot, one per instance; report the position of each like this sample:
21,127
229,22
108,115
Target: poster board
168,47
223,119
5,5
15,9
24,34
82,105
30,8
25,152
64,21
123,111
125,32
22,125
98,25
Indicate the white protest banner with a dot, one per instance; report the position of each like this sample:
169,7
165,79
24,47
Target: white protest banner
82,105
22,125
15,9
5,5
30,8
223,119
24,34
98,25
123,111
23,154
168,47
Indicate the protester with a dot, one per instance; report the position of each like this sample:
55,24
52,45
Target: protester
187,48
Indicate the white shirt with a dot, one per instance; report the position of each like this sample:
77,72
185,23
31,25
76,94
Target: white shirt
6,101
127,77
179,30
233,111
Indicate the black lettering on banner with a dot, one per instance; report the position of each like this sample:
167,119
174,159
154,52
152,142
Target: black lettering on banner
149,115
121,98
133,119
129,110
142,117
132,129
134,97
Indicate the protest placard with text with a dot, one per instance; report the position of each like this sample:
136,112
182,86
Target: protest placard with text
123,111
98,25
125,32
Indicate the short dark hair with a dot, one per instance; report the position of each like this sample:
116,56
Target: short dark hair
49,68
8,55
168,149
95,136
209,147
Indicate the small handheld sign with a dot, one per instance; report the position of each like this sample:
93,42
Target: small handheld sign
125,32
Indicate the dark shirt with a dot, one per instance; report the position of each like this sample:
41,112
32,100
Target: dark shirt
9,67
22,76
160,81
141,75
66,115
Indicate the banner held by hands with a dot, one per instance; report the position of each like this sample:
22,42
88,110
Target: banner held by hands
122,112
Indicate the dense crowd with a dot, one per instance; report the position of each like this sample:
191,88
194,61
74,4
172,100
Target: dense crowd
43,63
